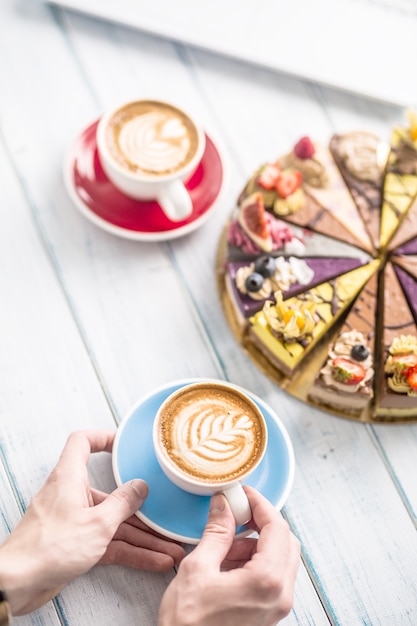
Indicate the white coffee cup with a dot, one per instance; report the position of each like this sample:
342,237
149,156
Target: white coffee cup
209,437
148,149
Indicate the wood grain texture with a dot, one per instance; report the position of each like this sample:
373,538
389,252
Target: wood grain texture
90,322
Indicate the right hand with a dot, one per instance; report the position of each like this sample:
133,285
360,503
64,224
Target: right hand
235,582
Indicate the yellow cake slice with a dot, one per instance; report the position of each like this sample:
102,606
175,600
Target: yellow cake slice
400,184
286,331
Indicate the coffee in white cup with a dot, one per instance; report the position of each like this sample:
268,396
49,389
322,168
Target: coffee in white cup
148,148
209,437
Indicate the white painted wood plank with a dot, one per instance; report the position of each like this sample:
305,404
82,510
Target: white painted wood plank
9,516
49,387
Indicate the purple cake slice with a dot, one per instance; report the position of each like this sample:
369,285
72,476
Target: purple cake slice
408,248
409,286
249,285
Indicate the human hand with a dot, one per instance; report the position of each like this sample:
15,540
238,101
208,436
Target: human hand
69,527
258,584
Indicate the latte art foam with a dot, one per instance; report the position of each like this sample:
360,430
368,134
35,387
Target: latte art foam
211,434
151,138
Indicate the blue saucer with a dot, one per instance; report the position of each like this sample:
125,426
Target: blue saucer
171,511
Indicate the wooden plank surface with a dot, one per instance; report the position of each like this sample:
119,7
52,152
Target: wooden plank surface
90,322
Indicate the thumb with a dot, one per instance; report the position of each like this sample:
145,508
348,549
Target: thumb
218,534
123,502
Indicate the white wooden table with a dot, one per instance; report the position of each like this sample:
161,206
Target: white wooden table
90,322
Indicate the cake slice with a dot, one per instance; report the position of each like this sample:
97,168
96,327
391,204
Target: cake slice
408,282
408,248
400,184
249,285
407,229
287,239
253,230
345,380
286,194
285,332
407,262
361,158
396,399
327,189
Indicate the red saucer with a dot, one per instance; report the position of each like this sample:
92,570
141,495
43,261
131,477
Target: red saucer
97,198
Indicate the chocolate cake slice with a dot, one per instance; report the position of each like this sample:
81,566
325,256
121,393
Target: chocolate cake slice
361,159
395,398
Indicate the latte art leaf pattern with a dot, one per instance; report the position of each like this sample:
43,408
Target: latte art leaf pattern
155,142
214,439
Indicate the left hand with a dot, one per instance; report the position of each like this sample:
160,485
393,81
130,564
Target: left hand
69,527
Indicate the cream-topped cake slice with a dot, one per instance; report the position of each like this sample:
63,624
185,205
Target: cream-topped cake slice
345,379
396,391
286,331
322,181
361,158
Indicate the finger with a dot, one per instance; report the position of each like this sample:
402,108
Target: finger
218,534
242,549
122,503
120,553
275,537
262,510
133,520
143,539
81,443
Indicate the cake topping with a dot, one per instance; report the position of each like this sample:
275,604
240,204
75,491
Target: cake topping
302,159
360,153
360,352
268,176
282,236
412,378
254,282
266,275
347,372
288,182
252,218
290,323
412,120
304,148
401,365
265,265
404,154
343,369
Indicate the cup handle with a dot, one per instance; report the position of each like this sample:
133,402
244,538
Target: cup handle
175,201
239,504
